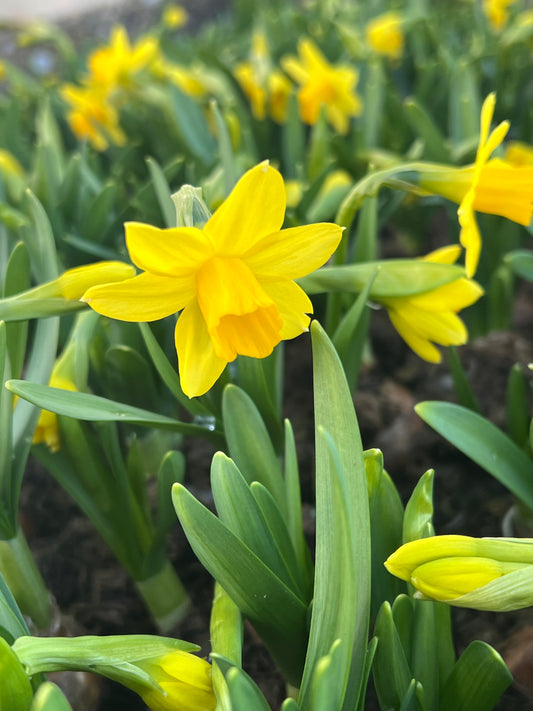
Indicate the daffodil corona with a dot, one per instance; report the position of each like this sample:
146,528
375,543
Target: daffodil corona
232,280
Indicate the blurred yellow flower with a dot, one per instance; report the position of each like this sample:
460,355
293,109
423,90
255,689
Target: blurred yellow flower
494,186
232,280
384,35
482,573
175,16
431,317
497,12
92,117
184,680
323,85
266,88
47,430
518,153
9,165
115,65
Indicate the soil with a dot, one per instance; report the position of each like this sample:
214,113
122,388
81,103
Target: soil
94,595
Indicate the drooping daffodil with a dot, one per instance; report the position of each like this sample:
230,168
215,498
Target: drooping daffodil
431,317
232,280
483,573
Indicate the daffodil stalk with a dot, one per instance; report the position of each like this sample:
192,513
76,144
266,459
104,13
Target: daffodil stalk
163,671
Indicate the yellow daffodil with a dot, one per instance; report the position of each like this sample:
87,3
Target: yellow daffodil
495,186
431,317
9,165
518,153
482,573
497,12
323,85
233,279
116,64
92,116
184,681
174,17
384,35
47,430
266,88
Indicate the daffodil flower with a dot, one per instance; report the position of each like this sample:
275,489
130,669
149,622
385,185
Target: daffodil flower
47,429
384,35
264,86
323,85
482,573
232,280
431,317
92,116
497,12
495,186
116,64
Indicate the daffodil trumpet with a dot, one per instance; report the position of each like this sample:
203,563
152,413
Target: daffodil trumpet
493,574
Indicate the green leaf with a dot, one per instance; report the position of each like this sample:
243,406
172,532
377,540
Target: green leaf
249,443
162,191
342,573
49,697
171,471
279,617
517,401
244,692
94,408
192,125
17,279
395,277
477,681
100,214
392,676
521,262
425,127
464,391
484,443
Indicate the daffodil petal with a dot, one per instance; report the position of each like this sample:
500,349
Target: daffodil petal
199,365
418,343
469,236
167,252
454,296
442,327
254,209
293,252
146,297
293,305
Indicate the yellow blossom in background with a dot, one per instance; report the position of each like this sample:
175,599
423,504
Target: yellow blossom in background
47,430
431,317
184,680
174,17
115,65
497,187
384,35
92,117
497,12
192,81
232,279
266,88
323,85
482,573
294,190
518,153
9,165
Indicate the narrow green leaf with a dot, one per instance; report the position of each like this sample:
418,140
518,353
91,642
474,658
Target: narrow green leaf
243,691
100,214
463,389
249,443
477,681
94,408
17,279
342,570
49,697
484,443
521,262
392,676
162,191
294,501
518,411
192,125
425,127
279,617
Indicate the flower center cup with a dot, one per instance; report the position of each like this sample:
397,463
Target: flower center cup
240,316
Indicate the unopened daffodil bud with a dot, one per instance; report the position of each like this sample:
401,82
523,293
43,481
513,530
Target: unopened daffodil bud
384,35
161,670
482,573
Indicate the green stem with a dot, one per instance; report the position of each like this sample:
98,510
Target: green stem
20,571
165,597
